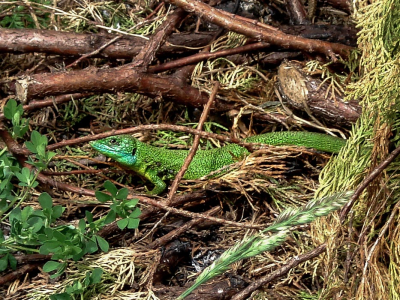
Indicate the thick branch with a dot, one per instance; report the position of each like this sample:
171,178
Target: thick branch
75,44
260,33
109,80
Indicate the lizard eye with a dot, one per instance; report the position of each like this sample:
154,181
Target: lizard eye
113,141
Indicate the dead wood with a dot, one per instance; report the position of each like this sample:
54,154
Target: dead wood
307,93
261,33
76,44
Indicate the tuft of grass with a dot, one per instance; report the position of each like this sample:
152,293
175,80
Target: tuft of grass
259,243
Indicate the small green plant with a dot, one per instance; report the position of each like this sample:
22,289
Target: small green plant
19,16
37,146
78,288
37,230
14,112
126,209
11,169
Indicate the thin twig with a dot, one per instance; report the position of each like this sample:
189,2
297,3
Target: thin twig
378,240
175,233
198,57
196,143
294,262
364,184
97,51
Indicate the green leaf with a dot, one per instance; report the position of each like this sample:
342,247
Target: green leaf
122,223
45,200
76,288
60,270
38,139
135,213
49,232
26,172
110,217
10,109
96,275
133,223
59,236
103,244
78,256
51,266
103,197
57,212
89,216
109,186
15,214
62,296
86,281
21,175
91,247
35,224
12,261
50,247
35,184
3,263
31,147
132,203
38,144
122,194
82,225
50,155
26,213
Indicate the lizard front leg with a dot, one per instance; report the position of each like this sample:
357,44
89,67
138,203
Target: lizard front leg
159,184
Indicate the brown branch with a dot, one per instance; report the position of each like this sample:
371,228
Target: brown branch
260,33
73,172
148,52
177,232
29,258
195,145
19,273
364,184
294,262
109,80
97,51
297,12
74,44
345,5
198,57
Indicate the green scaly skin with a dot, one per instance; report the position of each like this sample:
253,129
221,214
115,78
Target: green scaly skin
159,164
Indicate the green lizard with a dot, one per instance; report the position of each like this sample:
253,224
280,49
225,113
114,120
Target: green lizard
158,164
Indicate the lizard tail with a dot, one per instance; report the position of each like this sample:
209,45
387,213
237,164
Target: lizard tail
318,141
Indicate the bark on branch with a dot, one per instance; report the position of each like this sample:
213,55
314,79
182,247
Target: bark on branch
260,33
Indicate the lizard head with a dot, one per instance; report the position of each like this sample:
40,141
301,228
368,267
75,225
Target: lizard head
121,148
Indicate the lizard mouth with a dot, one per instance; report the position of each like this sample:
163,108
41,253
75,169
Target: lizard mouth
101,147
